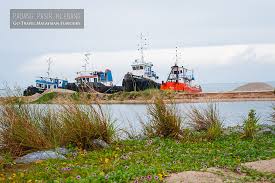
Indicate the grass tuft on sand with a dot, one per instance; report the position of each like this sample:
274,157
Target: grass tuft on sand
250,124
206,119
164,120
26,128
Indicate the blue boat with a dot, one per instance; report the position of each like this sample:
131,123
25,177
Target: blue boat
45,83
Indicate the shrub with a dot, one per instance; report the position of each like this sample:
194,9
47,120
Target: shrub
89,96
24,129
46,98
83,124
250,124
75,96
164,120
272,115
206,119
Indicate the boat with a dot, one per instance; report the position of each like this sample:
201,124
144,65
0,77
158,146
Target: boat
94,80
142,76
43,83
180,79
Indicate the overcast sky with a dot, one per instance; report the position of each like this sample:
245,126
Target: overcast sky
222,40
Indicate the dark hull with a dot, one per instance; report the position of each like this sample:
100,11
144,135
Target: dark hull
31,90
137,83
92,87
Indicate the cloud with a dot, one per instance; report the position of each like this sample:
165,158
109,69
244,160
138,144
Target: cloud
211,64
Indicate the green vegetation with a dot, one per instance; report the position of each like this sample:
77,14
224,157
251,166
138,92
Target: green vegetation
143,95
75,96
206,119
83,124
165,146
46,98
251,125
21,130
272,115
29,128
146,160
164,121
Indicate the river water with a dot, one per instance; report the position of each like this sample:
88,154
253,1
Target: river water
232,113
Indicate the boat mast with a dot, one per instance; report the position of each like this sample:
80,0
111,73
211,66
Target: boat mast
142,46
86,61
49,62
176,65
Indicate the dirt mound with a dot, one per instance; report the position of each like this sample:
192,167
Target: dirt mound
255,87
194,177
59,91
262,165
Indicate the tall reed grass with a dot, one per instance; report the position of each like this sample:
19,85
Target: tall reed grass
272,115
250,124
27,128
83,124
24,129
206,119
164,120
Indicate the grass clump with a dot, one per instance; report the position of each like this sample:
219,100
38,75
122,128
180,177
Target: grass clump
75,96
164,120
207,120
25,129
46,98
250,124
83,124
272,115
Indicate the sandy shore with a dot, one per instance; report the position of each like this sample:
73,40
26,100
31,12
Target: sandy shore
64,98
205,97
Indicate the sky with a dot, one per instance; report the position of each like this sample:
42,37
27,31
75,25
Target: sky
223,41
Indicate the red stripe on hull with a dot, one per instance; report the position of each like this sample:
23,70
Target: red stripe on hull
180,87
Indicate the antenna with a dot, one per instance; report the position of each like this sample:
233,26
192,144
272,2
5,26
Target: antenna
49,61
176,56
86,61
142,46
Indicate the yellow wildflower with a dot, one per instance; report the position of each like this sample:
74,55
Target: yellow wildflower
160,176
106,160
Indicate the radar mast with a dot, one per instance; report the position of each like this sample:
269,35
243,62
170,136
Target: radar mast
142,46
49,62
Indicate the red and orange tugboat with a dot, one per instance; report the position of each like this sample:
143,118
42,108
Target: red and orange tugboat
180,79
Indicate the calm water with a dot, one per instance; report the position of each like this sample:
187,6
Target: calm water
231,112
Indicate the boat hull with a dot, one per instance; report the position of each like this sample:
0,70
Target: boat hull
98,87
137,83
180,87
31,90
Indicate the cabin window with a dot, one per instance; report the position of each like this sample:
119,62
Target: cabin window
141,67
54,86
95,80
175,72
134,68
